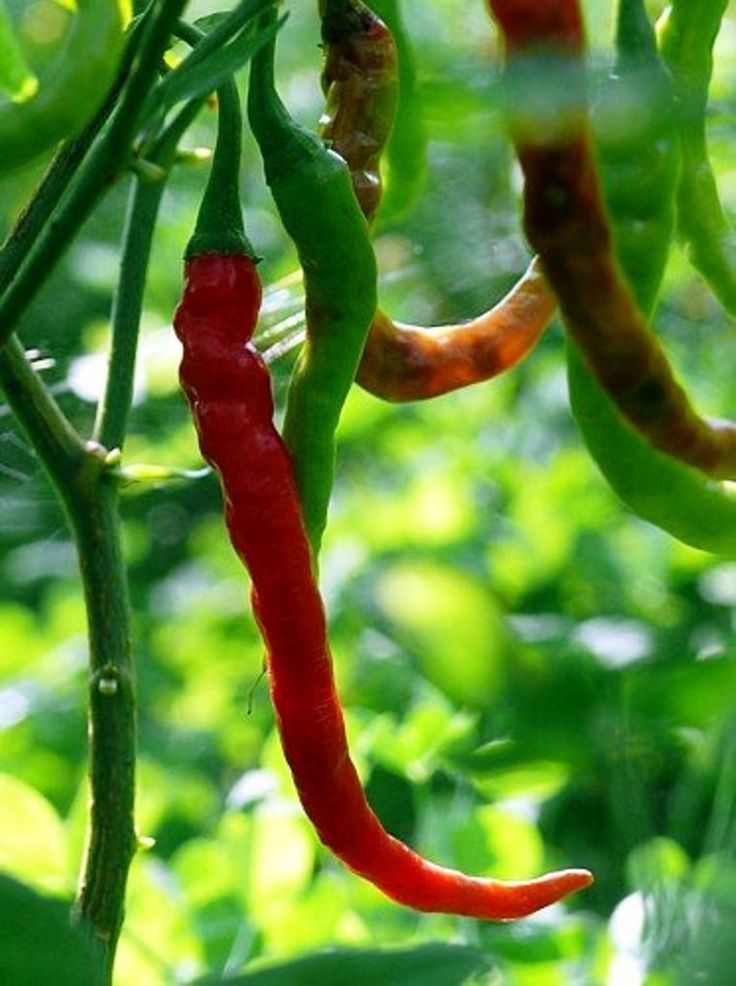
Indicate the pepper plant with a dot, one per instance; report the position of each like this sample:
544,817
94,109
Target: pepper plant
462,714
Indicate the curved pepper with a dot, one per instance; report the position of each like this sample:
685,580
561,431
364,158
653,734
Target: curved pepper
680,500
227,385
640,181
313,194
228,388
71,88
403,362
687,32
566,222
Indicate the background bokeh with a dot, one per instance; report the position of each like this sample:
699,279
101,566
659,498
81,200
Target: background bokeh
532,676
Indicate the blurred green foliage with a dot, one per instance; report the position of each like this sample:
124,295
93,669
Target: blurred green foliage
532,677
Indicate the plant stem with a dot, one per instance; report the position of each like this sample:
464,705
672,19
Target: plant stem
143,207
105,162
112,412
57,444
89,494
111,842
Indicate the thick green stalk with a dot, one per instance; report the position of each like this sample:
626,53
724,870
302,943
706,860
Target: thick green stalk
56,443
89,495
111,843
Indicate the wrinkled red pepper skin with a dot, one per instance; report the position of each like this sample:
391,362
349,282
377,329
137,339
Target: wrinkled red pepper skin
228,387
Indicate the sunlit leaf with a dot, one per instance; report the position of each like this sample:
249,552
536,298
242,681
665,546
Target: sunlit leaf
514,843
541,974
657,863
412,746
33,843
440,513
282,855
235,835
203,869
311,919
157,924
537,779
19,645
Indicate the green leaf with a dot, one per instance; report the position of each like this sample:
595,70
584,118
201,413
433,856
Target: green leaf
223,51
413,746
39,945
430,965
16,78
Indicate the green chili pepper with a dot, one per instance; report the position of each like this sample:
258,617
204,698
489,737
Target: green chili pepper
70,88
680,500
314,196
638,152
687,33
406,151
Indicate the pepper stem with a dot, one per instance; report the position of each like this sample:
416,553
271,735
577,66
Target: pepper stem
267,115
219,227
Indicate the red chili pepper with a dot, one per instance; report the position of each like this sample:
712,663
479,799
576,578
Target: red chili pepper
228,387
229,391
